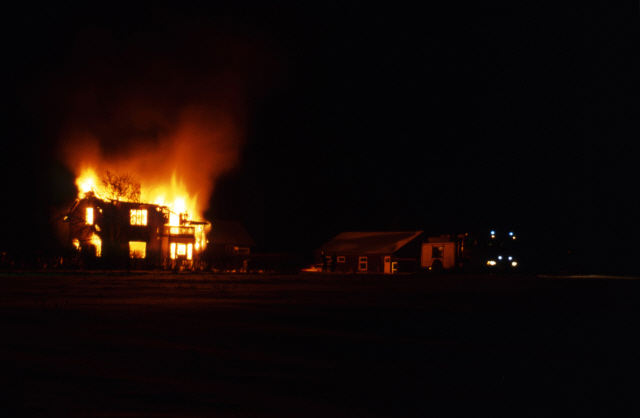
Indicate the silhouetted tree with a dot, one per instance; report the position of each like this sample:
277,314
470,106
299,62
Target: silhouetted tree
121,187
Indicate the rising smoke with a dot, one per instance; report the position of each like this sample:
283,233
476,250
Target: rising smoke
168,106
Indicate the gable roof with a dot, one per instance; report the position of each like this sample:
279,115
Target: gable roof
229,233
369,242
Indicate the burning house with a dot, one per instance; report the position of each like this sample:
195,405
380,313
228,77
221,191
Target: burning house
115,229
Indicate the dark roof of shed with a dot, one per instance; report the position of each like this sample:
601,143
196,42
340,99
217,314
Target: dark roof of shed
229,233
369,242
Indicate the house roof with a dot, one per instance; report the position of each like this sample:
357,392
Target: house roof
229,233
369,242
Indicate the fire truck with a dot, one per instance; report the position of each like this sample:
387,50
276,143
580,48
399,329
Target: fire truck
474,252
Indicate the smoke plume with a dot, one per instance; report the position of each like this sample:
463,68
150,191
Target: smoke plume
169,107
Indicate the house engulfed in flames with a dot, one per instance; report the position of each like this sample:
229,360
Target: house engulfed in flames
114,229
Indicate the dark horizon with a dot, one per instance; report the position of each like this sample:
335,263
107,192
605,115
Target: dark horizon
440,119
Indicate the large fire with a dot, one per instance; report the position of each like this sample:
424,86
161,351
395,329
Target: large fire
173,198
175,170
173,195
172,116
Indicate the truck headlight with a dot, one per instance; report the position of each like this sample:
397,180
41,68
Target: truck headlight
491,263
513,263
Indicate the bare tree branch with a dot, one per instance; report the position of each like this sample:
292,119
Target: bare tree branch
121,187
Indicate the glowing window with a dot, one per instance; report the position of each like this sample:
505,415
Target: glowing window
138,216
362,263
189,251
178,230
137,249
182,249
437,252
172,252
97,243
90,216
341,259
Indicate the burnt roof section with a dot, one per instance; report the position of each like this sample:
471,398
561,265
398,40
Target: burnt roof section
71,210
369,242
229,233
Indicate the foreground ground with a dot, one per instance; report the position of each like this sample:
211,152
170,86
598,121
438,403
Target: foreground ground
183,345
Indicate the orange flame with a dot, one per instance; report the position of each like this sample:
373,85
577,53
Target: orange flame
87,181
176,169
175,196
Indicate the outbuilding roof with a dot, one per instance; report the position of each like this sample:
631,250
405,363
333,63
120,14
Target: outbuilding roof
369,242
229,233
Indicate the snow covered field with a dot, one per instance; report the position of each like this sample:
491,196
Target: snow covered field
201,345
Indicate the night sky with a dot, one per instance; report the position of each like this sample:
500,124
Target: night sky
444,117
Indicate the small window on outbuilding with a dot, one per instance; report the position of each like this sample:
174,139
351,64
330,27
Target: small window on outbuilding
437,252
362,263
341,259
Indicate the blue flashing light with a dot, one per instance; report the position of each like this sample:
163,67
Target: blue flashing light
511,233
493,232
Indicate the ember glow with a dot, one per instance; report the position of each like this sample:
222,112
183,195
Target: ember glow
97,243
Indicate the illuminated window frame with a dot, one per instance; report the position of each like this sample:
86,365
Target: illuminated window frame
137,249
89,216
340,259
138,217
